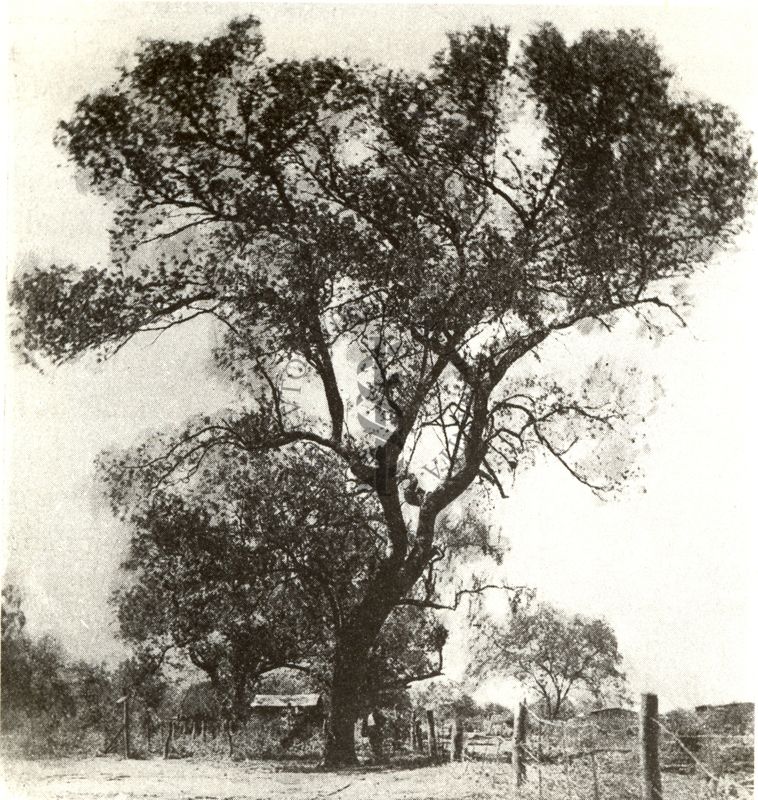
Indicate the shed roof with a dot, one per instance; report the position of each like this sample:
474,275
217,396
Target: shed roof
285,700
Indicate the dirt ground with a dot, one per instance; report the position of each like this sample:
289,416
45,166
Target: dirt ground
186,779
114,779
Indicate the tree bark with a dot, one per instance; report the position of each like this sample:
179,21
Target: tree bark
350,668
348,676
239,700
394,578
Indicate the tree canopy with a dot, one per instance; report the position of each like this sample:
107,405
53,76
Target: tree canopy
253,567
552,653
440,226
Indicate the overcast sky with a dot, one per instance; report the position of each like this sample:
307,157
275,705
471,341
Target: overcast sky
670,568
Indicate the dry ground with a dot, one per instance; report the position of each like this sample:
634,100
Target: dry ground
115,779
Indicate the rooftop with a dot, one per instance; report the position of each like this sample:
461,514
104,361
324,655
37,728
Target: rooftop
285,700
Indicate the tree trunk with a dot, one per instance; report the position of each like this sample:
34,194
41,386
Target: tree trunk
349,673
239,700
557,707
353,647
340,737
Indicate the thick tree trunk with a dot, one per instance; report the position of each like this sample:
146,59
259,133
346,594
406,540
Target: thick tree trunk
353,646
340,737
350,670
348,676
240,709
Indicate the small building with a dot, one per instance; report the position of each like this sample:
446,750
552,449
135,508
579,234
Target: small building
294,716
613,713
268,706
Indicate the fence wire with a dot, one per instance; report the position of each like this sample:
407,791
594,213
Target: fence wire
582,759
722,763
587,758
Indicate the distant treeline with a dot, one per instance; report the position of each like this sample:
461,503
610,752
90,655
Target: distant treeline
52,704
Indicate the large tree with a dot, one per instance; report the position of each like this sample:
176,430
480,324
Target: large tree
438,227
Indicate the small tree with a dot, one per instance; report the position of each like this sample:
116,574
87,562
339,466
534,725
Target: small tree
553,654
96,696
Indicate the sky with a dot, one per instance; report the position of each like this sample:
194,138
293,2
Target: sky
670,568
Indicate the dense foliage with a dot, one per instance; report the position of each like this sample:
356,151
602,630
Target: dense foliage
53,705
253,567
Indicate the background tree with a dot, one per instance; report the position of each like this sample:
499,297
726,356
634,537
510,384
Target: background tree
33,677
200,704
55,705
553,654
95,697
439,227
447,698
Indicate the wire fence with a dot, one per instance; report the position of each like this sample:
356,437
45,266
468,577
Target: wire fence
613,754
601,758
178,737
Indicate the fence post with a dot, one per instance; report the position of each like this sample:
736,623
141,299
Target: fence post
456,739
539,760
169,735
649,736
593,764
419,734
519,744
126,726
415,743
432,735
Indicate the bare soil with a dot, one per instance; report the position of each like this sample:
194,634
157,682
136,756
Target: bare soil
112,778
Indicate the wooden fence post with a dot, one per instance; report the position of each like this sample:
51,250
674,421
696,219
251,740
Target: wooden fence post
519,744
126,726
649,737
432,735
593,764
419,734
539,760
456,740
231,740
167,743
